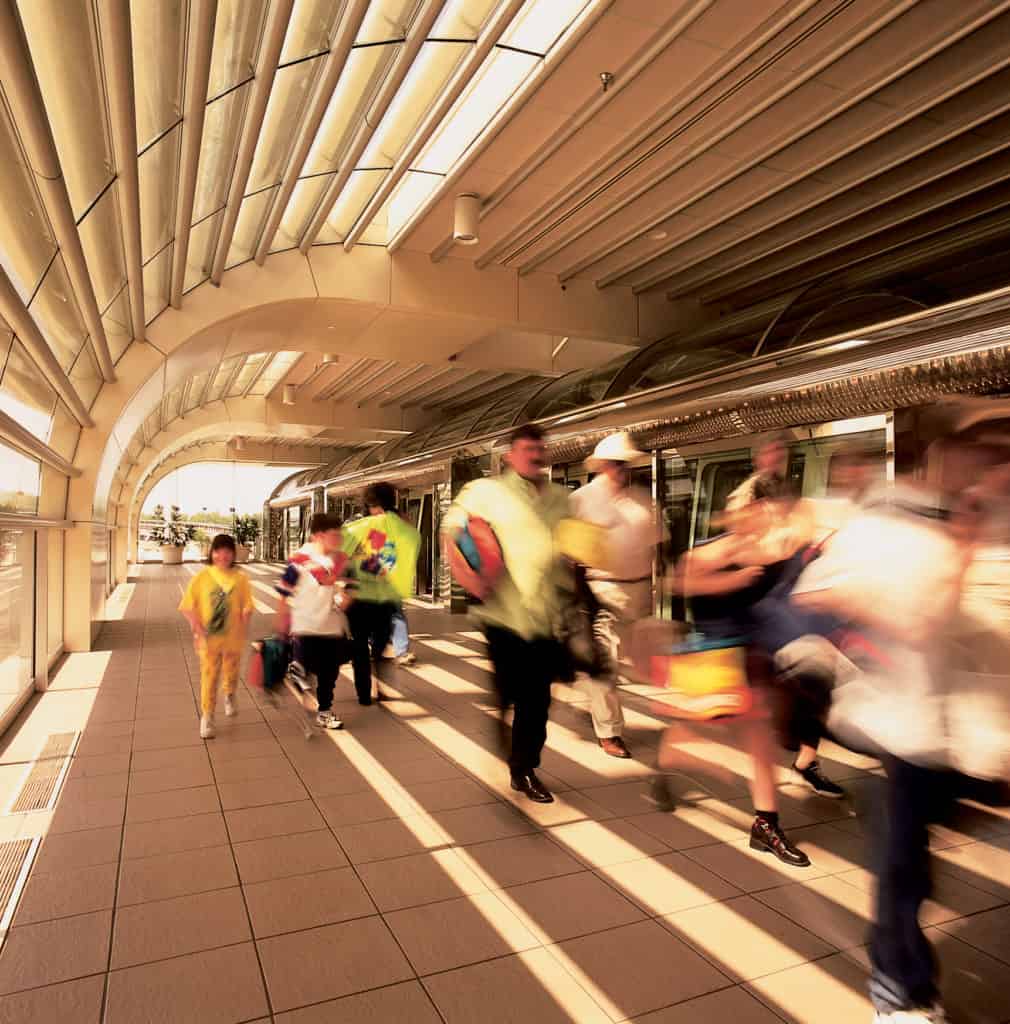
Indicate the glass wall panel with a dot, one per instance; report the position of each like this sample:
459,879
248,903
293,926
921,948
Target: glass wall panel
301,206
196,391
237,32
288,99
158,170
27,244
25,395
54,591
221,378
159,45
157,283
118,325
17,615
54,309
200,255
63,39
312,24
65,433
102,240
86,377
249,226
386,19
464,19
20,482
222,127
247,373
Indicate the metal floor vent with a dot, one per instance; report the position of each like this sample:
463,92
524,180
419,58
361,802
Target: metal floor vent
46,774
16,858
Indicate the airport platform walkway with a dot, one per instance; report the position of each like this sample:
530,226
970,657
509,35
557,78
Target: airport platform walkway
387,873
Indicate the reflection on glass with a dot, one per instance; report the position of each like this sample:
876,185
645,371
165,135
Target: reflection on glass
196,390
237,33
222,126
582,387
157,282
288,99
170,408
20,480
158,170
63,40
200,255
102,240
17,614
54,309
159,41
25,395
152,426
27,245
248,226
221,378
413,189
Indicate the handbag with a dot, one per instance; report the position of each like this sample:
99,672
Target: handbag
269,662
581,652
703,678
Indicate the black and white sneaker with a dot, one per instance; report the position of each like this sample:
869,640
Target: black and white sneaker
814,779
328,720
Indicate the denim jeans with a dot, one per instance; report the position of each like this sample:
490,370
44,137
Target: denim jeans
401,634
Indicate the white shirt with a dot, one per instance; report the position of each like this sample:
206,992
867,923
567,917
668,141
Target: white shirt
628,516
310,585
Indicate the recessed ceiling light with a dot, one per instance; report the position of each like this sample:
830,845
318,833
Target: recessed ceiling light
657,236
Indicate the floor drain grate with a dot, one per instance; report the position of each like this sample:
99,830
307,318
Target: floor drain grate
16,858
38,791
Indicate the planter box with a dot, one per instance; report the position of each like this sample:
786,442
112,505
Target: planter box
241,553
171,555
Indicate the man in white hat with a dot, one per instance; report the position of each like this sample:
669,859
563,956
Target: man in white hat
623,590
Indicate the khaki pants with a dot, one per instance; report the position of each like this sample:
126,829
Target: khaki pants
620,605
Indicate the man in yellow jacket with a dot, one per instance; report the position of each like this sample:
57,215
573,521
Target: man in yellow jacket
520,616
383,550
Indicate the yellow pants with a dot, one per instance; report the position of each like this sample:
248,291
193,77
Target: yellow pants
218,662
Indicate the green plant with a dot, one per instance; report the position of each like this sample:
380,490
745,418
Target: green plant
173,532
247,529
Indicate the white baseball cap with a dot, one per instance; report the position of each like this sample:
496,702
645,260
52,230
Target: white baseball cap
616,448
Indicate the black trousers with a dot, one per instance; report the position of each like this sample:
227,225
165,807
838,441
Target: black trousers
910,798
523,673
371,630
322,657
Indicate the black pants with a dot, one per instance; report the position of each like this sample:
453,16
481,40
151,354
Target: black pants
904,969
322,657
523,673
371,630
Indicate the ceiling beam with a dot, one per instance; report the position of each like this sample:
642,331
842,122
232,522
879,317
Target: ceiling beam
624,77
266,70
363,135
422,375
364,397
199,50
117,59
21,89
842,147
500,21
579,29
333,68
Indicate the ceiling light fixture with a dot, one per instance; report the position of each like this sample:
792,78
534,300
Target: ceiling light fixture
290,394
329,357
466,217
658,236
240,444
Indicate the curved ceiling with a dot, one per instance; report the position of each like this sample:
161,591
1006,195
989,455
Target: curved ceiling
739,154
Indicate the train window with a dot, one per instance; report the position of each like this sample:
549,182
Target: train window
718,481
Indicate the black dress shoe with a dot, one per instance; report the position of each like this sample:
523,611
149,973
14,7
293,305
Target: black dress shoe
659,794
529,784
767,837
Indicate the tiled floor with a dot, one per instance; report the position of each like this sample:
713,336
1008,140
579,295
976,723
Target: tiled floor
387,873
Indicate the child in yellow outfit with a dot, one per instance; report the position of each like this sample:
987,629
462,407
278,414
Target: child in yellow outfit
218,605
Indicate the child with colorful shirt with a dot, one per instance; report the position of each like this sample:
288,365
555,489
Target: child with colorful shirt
218,605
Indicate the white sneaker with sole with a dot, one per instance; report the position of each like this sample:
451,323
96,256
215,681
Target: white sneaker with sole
207,727
410,658
328,720
229,705
931,1015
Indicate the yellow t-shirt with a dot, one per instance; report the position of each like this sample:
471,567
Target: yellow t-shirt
220,598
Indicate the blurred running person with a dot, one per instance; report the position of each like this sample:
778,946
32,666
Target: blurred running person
218,606
623,592
521,614
383,549
311,610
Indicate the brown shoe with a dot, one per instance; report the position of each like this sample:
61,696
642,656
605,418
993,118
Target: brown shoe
614,746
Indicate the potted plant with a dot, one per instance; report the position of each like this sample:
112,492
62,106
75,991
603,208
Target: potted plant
172,535
247,530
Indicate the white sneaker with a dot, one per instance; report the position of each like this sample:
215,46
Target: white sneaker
207,727
229,705
929,1015
328,720
410,658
